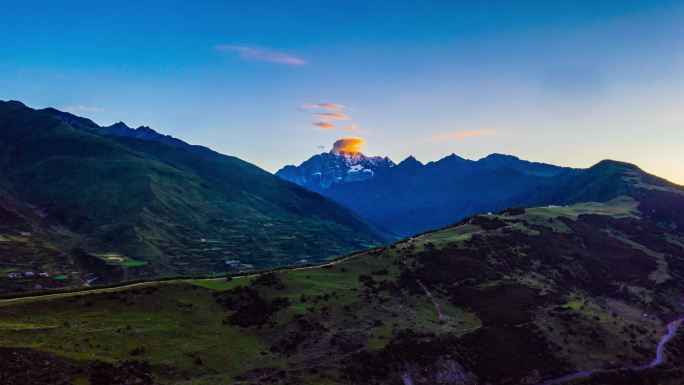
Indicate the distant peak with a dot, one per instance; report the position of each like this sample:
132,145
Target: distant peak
614,164
71,119
352,157
15,104
497,156
146,129
119,125
410,161
349,153
452,158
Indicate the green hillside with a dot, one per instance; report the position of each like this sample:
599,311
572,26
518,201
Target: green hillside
109,207
518,297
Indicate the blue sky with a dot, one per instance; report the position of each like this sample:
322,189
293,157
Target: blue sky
565,82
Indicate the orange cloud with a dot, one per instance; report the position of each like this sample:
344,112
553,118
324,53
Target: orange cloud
323,126
324,106
262,54
331,116
460,135
348,144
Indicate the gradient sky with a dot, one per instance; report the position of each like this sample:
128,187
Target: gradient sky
564,82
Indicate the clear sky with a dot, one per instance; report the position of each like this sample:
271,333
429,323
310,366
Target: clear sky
566,82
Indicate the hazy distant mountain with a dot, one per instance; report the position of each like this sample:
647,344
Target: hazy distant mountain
412,197
124,202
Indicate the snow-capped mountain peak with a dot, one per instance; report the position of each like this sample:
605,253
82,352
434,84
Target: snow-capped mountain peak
323,170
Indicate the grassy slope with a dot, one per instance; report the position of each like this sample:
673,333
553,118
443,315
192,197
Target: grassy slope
522,296
88,194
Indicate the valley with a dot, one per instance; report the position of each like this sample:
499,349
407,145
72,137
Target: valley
556,289
235,276
341,192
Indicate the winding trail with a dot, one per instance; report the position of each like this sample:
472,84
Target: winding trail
442,317
124,286
659,359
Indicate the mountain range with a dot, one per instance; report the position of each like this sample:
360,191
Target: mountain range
584,294
537,274
83,203
412,197
89,203
80,202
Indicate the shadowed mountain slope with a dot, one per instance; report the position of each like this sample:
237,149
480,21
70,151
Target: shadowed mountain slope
411,197
120,206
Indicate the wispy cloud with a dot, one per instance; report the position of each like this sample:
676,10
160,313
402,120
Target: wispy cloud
355,128
331,116
324,106
83,108
323,126
262,54
460,135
